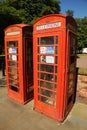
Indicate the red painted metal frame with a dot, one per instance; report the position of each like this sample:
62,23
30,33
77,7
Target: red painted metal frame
60,111
24,32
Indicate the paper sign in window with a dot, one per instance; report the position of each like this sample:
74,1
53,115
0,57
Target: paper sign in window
47,50
50,59
14,57
12,50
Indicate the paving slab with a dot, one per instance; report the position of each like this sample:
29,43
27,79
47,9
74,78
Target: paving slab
82,62
15,116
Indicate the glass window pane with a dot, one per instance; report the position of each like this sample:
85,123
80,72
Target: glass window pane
70,98
10,63
46,68
56,50
12,44
42,58
55,78
46,85
12,70
46,49
71,87
56,69
13,57
12,50
38,41
55,87
71,76
14,88
72,67
45,100
45,92
15,77
46,59
29,56
56,39
56,60
72,45
14,83
72,59
47,40
48,77
71,83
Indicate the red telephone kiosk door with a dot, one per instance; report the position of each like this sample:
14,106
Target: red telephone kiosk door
51,47
19,62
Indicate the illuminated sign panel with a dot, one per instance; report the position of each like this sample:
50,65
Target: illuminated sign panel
12,33
48,26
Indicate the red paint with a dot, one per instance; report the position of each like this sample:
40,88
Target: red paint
54,54
19,67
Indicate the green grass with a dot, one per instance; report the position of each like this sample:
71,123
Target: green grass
82,71
81,55
2,55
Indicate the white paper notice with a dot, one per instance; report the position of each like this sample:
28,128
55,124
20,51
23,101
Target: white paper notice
50,59
10,50
14,57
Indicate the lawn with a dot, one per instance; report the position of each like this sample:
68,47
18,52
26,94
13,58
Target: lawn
79,55
82,71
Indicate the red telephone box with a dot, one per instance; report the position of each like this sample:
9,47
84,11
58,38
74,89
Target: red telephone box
54,47
19,62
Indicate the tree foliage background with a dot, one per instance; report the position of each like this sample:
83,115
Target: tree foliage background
82,32
24,11
70,12
27,11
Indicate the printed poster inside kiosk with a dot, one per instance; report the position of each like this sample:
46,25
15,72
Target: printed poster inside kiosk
47,58
13,51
